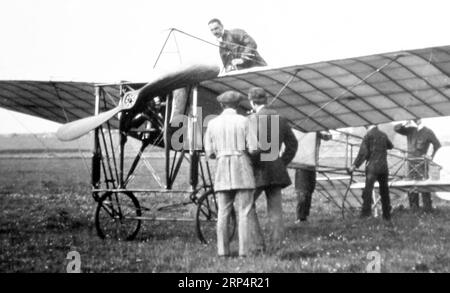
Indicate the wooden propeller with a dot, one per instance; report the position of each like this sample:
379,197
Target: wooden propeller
161,82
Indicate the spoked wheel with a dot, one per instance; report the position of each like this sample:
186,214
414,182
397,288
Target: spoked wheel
116,214
206,218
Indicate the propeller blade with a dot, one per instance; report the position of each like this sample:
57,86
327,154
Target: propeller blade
160,82
75,129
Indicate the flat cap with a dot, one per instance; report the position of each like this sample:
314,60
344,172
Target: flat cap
229,97
257,94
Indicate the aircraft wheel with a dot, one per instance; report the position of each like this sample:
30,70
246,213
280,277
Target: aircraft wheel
115,216
206,218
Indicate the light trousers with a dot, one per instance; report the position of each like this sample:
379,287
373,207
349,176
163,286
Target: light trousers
246,220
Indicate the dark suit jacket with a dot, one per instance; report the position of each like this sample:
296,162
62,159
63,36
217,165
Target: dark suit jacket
237,43
373,150
418,140
274,173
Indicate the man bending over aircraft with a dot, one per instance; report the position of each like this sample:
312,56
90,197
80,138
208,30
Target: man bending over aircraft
237,48
373,150
307,158
230,140
419,139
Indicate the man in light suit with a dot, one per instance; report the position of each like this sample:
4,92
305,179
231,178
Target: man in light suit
271,174
238,50
229,139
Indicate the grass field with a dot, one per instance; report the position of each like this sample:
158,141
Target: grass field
47,211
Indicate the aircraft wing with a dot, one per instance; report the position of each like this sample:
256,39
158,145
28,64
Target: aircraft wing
58,101
326,95
352,92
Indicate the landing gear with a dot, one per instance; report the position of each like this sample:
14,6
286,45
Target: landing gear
117,216
206,218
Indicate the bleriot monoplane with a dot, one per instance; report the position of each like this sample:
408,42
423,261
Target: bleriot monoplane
169,111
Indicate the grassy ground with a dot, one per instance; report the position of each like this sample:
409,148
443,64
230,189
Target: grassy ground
47,211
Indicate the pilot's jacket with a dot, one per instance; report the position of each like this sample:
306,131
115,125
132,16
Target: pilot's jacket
373,150
274,172
229,139
236,43
418,140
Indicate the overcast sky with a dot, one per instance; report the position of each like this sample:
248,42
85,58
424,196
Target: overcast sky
96,40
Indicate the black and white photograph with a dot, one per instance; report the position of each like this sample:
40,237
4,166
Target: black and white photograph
228,138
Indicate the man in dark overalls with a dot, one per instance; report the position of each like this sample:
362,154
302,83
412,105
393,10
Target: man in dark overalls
373,150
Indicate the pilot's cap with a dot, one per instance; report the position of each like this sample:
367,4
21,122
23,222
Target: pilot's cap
258,95
229,98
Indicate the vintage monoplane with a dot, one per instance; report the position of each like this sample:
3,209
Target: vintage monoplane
165,112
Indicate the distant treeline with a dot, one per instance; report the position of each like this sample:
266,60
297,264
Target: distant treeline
42,151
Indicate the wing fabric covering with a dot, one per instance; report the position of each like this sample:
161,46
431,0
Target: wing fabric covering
57,101
352,92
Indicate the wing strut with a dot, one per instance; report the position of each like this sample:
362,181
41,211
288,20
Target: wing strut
167,144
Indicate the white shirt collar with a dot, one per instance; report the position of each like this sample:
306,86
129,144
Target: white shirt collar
420,126
229,111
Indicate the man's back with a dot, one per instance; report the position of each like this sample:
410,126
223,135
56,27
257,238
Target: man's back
307,156
229,132
271,170
284,133
228,138
374,150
